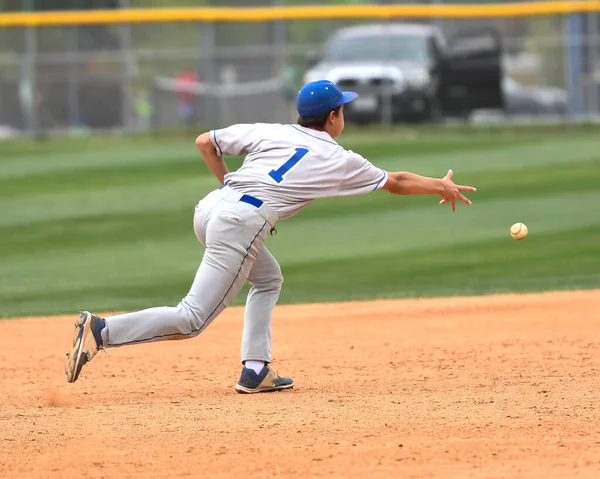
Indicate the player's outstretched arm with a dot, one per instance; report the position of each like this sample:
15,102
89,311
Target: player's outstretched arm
405,183
212,159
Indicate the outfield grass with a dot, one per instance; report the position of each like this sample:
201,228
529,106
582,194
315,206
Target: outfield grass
106,223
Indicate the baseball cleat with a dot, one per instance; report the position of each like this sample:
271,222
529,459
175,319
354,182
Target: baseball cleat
266,381
87,342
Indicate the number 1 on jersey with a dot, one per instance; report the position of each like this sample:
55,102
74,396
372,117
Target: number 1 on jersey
277,175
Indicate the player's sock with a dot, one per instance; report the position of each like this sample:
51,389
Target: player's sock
256,366
104,334
98,325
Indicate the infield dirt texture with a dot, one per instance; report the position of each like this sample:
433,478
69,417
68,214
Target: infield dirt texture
486,387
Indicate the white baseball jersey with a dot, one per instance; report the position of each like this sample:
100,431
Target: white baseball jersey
288,166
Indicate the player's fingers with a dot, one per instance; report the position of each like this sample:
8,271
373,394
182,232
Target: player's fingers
465,199
466,188
443,202
449,174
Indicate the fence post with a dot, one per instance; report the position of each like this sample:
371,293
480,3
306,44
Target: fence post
126,71
280,41
207,73
73,83
438,21
572,25
28,89
386,90
592,54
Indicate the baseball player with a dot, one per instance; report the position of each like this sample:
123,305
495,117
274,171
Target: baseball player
286,167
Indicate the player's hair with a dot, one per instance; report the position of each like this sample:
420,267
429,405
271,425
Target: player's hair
317,121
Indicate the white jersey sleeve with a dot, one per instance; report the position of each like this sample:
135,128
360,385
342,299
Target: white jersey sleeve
361,176
236,139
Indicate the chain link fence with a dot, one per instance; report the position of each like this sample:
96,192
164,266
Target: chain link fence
137,76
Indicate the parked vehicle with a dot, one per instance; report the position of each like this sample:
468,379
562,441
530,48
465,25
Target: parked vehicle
412,72
533,100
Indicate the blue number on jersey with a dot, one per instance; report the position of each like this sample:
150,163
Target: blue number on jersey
277,175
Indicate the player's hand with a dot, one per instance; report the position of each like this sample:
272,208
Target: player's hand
453,192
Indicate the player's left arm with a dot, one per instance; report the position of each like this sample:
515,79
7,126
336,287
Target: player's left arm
362,176
406,183
211,156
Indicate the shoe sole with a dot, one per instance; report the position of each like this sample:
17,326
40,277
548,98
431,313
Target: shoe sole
244,390
76,359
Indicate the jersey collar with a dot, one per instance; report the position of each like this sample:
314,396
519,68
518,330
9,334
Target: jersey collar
321,135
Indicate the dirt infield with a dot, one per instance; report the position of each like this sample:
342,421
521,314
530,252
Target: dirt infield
503,386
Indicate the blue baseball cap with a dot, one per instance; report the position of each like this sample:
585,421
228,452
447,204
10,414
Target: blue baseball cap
320,97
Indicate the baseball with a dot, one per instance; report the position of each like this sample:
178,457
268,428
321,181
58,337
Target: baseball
518,231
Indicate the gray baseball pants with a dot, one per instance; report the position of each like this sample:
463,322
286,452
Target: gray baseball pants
233,233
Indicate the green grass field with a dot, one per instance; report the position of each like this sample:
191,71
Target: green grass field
106,223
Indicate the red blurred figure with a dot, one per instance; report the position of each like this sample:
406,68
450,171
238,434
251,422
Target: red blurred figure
185,96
